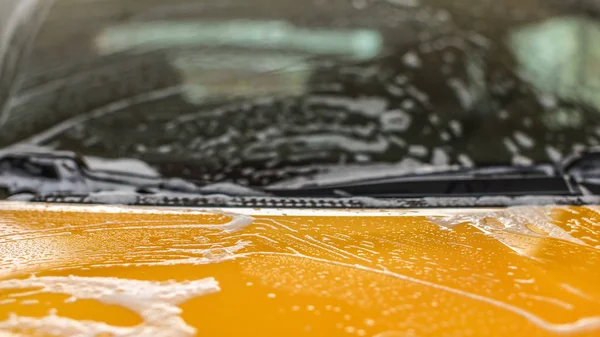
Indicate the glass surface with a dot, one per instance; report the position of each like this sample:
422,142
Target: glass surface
259,91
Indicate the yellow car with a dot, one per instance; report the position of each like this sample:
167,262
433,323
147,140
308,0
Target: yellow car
77,270
385,168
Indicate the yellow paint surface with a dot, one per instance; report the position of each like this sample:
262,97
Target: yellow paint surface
335,275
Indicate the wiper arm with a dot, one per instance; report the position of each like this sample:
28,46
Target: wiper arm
65,173
583,169
492,181
577,175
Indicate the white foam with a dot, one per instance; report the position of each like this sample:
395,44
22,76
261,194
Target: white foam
365,212
521,160
237,223
510,146
524,140
440,157
155,302
456,127
412,59
125,165
465,160
553,153
395,120
520,220
418,150
462,92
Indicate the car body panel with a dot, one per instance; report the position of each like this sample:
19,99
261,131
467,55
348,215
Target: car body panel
72,270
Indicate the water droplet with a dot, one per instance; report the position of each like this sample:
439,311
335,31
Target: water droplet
350,329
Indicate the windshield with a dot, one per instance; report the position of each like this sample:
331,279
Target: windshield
258,92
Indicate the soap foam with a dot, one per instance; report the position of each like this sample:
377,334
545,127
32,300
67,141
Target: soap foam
155,302
531,221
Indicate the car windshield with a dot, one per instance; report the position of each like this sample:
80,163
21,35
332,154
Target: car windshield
258,92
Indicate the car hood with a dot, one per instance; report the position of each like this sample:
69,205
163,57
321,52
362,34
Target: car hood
83,270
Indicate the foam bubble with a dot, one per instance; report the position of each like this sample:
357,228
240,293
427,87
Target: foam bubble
155,302
519,220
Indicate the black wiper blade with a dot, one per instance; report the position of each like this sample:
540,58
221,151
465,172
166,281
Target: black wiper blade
491,181
583,169
65,173
45,173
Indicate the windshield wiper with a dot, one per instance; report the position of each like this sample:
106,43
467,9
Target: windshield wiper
577,175
54,173
505,181
42,173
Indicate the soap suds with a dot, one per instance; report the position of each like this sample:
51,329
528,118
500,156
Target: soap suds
155,302
237,223
517,220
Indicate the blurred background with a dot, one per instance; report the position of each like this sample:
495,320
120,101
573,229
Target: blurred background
256,92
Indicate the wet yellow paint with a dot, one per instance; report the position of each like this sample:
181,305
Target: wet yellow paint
339,275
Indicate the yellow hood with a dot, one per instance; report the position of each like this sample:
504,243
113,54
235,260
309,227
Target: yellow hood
132,271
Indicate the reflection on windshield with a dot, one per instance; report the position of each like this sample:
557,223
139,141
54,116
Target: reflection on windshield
241,58
261,91
207,76
278,35
569,46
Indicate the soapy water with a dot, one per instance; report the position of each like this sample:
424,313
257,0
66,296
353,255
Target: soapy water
516,220
155,302
197,254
